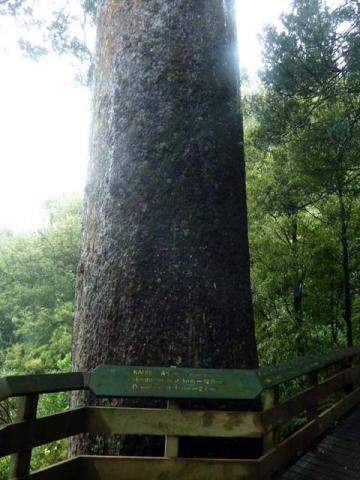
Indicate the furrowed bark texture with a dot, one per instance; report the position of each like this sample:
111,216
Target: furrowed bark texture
164,273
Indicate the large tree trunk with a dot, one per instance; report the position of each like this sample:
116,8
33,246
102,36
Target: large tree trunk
164,272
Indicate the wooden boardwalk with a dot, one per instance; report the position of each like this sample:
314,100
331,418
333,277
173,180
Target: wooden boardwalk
336,457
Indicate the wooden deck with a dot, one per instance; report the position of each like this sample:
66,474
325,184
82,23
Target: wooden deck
336,457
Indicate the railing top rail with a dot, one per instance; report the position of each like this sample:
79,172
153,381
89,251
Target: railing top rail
21,385
172,382
273,375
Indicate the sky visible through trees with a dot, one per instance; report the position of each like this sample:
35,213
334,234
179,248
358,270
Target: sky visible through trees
45,117
42,107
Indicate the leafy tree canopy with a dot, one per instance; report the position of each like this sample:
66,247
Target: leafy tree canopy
56,26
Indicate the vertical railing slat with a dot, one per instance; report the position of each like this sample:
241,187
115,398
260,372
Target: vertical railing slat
20,462
312,411
172,443
270,399
348,363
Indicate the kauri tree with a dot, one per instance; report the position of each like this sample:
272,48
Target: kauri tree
164,272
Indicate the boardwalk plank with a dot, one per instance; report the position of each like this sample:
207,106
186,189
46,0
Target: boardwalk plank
336,457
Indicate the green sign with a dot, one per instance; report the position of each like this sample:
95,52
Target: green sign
174,382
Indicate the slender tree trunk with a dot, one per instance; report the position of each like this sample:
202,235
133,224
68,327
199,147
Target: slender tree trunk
334,325
346,272
297,288
164,272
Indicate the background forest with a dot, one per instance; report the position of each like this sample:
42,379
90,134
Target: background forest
302,135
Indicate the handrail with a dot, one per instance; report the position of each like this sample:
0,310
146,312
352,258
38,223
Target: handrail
20,385
273,375
107,380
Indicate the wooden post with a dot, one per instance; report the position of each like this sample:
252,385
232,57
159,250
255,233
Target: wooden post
312,411
20,462
172,443
340,394
356,362
348,363
270,399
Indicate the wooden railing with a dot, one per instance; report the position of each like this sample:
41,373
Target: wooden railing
335,378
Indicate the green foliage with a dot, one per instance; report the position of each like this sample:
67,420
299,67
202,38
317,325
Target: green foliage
36,306
37,291
303,180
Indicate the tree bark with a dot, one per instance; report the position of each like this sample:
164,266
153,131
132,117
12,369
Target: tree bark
164,271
